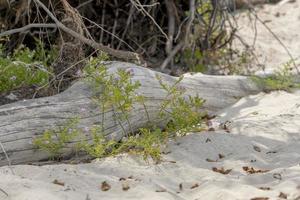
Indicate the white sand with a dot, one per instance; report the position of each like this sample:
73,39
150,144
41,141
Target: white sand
264,133
284,21
268,123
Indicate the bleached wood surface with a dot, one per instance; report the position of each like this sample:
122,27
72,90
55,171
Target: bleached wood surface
22,121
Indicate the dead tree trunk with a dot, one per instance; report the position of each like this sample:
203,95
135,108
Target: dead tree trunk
22,121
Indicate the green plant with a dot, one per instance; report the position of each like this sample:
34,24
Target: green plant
205,8
184,113
43,55
54,140
208,40
25,67
194,60
117,92
281,80
99,146
147,143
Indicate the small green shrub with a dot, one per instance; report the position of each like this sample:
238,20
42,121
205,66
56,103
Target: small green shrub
118,93
147,143
281,80
54,140
184,113
194,60
25,67
99,146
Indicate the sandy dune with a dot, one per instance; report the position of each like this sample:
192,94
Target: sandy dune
256,141
283,19
263,133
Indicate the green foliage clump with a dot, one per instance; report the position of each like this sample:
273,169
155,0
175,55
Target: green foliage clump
184,113
207,43
147,143
195,60
54,140
25,67
118,92
205,8
99,146
281,80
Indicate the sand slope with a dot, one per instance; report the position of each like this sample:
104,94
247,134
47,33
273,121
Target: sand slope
263,134
283,19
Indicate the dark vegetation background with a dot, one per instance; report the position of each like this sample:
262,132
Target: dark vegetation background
53,39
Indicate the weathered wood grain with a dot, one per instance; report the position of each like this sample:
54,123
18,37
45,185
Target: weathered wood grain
22,121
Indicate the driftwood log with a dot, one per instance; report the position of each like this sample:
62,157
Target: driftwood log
22,121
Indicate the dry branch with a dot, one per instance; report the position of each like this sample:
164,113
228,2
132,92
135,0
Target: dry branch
129,30
126,55
26,28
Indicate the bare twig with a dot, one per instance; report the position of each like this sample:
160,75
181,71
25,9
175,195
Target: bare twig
84,4
4,192
61,74
106,31
183,43
277,38
171,25
7,158
127,55
140,7
176,49
212,22
102,21
115,24
26,28
191,19
131,11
